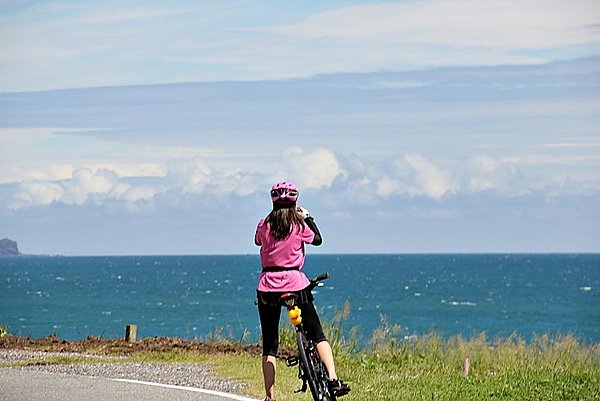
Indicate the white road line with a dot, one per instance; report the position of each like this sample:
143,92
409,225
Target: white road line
194,389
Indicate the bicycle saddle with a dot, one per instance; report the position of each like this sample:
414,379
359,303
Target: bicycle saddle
288,299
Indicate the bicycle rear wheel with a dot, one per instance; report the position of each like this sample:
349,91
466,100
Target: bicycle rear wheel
307,367
321,377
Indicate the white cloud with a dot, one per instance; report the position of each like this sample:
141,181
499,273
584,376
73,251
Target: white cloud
234,182
357,191
486,173
41,172
134,194
417,34
36,194
102,186
54,153
191,175
315,169
97,43
117,43
85,183
574,144
430,179
463,23
83,186
360,182
556,160
36,170
387,187
12,137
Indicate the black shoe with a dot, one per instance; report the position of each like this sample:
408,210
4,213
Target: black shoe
338,387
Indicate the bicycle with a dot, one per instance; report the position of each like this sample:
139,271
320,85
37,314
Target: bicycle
311,369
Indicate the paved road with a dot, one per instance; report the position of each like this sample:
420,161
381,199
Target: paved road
24,385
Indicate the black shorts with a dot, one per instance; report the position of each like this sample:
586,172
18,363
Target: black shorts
269,311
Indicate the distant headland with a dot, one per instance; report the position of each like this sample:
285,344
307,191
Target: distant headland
9,247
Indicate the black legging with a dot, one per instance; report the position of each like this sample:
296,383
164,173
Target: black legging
269,311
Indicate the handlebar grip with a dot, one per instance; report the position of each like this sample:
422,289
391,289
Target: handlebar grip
322,277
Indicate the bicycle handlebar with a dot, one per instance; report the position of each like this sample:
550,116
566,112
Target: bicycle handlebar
321,277
315,281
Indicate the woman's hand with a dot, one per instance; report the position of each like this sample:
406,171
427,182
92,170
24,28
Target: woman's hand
303,212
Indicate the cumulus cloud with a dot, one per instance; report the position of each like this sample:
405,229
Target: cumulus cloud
36,194
387,186
83,186
331,176
235,182
316,169
85,183
185,176
430,179
358,190
486,173
414,175
191,175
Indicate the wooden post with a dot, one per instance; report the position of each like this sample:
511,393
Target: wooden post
130,333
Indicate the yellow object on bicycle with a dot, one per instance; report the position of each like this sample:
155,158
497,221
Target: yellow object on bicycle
295,316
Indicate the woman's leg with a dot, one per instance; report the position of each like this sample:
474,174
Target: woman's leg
314,331
338,387
268,368
324,351
269,322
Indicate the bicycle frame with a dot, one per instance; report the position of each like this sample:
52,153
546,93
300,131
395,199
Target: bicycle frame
311,369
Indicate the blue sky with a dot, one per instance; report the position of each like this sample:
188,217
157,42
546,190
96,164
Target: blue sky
410,126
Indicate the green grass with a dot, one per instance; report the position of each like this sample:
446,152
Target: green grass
430,368
390,366
3,331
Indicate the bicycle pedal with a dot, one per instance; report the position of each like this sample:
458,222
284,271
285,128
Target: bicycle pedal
302,389
292,361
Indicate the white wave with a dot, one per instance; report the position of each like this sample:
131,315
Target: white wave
459,303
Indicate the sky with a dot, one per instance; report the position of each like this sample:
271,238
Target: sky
141,128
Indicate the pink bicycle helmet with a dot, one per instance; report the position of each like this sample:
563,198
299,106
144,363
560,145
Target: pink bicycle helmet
284,193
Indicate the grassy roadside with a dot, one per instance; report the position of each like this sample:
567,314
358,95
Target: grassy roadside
431,368
392,367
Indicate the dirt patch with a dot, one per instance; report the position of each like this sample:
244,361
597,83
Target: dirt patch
94,345
100,346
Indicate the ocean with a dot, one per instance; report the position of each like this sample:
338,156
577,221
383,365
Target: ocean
200,296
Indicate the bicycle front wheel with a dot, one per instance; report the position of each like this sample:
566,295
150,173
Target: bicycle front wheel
307,368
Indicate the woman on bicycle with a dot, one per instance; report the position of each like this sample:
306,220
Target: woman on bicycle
281,237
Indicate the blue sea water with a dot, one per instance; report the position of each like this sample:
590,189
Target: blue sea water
194,296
